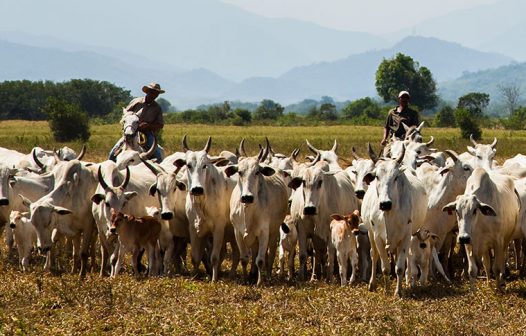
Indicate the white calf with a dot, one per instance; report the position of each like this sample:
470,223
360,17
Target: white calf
287,243
25,236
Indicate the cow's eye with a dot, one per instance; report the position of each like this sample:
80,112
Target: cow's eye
107,204
204,166
257,173
319,183
418,152
189,166
475,211
240,173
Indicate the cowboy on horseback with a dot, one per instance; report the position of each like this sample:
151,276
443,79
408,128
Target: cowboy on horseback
150,121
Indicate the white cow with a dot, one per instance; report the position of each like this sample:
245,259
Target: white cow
258,206
324,193
487,218
70,199
328,156
208,207
482,155
420,253
393,208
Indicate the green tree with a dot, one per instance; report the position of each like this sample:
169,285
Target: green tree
243,114
517,120
268,110
474,103
445,117
468,124
362,107
67,121
166,106
403,73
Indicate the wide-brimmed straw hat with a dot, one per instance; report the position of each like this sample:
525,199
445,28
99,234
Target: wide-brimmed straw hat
152,86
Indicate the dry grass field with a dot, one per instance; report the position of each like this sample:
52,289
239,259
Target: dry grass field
43,304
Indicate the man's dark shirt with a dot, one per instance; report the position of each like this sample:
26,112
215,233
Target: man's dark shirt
394,121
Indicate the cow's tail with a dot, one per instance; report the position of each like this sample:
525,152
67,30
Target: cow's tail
438,265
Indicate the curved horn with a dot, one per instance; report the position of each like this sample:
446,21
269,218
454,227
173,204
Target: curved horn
55,155
316,159
371,152
154,169
37,161
335,146
101,179
419,128
151,150
312,148
452,155
430,142
264,155
208,144
184,144
82,152
242,148
472,140
494,143
294,154
126,179
401,157
354,154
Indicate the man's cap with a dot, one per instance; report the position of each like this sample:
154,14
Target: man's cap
403,93
152,86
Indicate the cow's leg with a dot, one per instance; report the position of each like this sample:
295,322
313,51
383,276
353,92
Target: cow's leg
75,241
331,251
281,258
374,260
400,267
302,242
196,250
121,254
104,252
217,245
499,266
260,258
243,252
85,249
152,258
486,263
384,260
472,266
354,264
235,257
292,255
343,259
135,260
272,248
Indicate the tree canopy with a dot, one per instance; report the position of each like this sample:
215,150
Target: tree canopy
403,73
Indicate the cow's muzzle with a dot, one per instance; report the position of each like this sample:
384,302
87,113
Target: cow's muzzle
12,225
113,230
197,191
386,206
464,239
360,193
167,215
309,210
247,199
4,201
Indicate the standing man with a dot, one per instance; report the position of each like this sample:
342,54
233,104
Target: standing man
150,117
395,117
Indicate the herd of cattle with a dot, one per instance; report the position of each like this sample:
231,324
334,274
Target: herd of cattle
409,206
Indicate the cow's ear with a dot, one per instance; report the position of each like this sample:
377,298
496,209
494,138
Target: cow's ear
220,162
450,207
286,172
472,151
25,200
444,170
180,185
266,170
487,210
295,183
130,194
61,210
231,170
337,217
179,163
369,178
153,189
434,236
97,198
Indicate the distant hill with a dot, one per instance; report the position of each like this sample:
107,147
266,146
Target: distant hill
498,27
486,81
183,89
192,34
354,76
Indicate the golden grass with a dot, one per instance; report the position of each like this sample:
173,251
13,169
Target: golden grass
35,303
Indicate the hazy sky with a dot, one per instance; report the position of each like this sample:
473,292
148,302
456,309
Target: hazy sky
373,16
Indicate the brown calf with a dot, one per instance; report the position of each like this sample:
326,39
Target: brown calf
134,234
